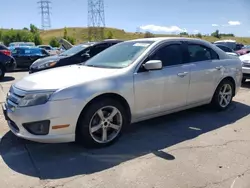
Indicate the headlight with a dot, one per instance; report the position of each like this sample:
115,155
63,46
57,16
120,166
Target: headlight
47,65
246,63
34,99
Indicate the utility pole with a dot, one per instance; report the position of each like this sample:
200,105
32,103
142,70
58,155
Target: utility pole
44,6
96,20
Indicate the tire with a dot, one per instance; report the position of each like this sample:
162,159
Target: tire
243,80
2,72
216,101
88,116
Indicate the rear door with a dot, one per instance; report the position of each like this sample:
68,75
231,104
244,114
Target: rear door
205,72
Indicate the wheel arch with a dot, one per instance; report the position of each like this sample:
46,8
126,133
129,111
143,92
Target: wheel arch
108,95
231,79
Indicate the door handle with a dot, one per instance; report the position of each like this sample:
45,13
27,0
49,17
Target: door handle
182,74
219,68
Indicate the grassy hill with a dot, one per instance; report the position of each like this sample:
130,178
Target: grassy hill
81,35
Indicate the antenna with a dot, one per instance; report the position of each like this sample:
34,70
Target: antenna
96,20
45,7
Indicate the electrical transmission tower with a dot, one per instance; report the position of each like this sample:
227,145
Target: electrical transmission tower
45,7
96,20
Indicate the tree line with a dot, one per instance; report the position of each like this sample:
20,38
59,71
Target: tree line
215,34
31,34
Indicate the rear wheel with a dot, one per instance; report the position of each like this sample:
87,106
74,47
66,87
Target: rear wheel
2,72
101,124
223,95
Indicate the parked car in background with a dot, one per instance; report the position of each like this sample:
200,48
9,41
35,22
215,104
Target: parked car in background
77,54
25,56
245,66
230,44
49,49
243,51
129,82
228,50
7,63
13,45
5,50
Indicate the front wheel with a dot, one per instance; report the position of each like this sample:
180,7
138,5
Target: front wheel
101,124
223,95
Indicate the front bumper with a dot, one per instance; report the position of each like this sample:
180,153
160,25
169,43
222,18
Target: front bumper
57,112
246,72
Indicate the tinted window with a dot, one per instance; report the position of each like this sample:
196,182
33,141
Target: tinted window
97,49
224,48
74,50
169,55
200,53
24,51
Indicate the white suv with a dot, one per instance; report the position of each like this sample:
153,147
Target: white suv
129,82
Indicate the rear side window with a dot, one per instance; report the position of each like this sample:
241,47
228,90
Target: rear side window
169,55
201,53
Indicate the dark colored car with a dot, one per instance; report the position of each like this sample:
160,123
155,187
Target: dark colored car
75,55
227,50
25,56
7,63
5,50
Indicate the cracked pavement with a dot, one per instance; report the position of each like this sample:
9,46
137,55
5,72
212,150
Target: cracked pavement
197,148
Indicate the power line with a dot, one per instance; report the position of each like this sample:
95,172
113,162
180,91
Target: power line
44,6
96,20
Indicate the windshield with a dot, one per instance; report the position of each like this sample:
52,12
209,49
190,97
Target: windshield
74,50
120,55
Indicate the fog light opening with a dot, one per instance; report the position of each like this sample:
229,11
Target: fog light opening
38,128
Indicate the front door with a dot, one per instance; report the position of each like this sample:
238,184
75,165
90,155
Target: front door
162,90
176,74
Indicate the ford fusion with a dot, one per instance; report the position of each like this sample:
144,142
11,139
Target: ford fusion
129,82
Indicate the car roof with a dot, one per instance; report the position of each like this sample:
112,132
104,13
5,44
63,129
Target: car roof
222,45
159,39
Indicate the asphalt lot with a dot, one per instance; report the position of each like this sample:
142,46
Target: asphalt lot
197,148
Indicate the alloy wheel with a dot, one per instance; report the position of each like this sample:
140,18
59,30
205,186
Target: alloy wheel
105,124
225,95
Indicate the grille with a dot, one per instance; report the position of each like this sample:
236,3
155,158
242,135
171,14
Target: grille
246,64
13,97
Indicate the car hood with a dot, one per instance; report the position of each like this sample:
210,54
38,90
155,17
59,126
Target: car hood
62,77
47,59
245,57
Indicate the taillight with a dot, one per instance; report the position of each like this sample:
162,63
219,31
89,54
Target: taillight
6,52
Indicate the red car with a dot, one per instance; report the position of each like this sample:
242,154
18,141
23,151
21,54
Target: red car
243,51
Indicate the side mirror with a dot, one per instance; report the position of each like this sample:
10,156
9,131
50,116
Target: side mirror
86,55
153,65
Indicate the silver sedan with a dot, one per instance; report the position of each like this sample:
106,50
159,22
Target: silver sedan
132,81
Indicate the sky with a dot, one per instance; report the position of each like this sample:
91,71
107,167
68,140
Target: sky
156,16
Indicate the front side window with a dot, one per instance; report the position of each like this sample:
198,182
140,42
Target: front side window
169,55
120,55
200,53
